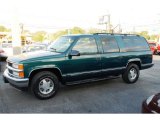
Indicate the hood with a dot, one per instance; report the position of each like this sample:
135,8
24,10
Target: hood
31,56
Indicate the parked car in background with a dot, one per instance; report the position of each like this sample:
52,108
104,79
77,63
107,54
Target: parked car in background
74,59
3,54
7,44
153,47
158,48
34,47
151,104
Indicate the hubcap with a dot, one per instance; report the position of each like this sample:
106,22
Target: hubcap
132,74
46,86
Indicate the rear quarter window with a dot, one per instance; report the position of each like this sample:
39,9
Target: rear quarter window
134,43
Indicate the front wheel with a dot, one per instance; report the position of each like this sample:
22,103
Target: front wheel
131,74
44,85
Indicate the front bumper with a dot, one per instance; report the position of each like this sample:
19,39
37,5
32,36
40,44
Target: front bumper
16,82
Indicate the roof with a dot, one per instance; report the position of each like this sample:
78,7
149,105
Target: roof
76,35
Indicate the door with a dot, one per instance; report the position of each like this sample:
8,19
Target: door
111,58
88,64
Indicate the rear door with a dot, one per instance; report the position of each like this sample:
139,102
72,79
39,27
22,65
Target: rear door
111,57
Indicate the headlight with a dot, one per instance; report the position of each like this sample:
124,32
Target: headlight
15,65
19,72
18,66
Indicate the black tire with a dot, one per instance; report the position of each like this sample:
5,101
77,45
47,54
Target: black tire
127,74
38,79
155,52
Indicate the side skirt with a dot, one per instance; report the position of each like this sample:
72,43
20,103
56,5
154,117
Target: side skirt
91,80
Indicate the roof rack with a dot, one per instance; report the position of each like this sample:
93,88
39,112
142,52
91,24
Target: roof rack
114,34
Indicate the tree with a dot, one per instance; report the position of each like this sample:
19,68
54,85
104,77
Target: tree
144,34
153,37
38,36
3,29
77,30
59,33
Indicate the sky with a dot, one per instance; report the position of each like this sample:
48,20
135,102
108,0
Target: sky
53,15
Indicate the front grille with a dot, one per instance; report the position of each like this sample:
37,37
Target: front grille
9,64
10,71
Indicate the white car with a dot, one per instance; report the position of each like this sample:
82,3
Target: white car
3,54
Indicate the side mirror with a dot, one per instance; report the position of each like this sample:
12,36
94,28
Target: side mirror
74,53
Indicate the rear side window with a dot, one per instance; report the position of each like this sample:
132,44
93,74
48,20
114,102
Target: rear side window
134,43
109,44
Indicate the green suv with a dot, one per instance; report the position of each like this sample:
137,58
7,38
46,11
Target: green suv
74,59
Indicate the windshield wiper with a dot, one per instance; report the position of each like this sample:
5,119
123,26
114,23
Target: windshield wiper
53,49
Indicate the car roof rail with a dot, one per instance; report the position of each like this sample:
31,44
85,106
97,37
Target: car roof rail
115,34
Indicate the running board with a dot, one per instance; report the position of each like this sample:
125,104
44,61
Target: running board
91,80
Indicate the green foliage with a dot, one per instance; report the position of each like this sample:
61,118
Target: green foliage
38,36
59,33
3,29
77,30
153,37
144,34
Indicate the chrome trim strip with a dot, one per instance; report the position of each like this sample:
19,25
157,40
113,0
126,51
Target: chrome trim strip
14,79
13,69
13,75
86,72
112,69
95,71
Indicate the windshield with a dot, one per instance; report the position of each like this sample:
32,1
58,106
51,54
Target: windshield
60,45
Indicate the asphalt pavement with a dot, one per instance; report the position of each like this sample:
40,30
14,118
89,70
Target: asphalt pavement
109,96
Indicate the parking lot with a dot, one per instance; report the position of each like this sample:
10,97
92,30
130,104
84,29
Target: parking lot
109,96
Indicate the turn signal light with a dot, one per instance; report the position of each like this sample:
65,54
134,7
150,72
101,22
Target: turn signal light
21,74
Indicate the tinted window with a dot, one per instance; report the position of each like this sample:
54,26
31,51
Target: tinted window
109,44
61,44
134,43
86,45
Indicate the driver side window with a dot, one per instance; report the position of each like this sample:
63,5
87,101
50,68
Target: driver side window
86,45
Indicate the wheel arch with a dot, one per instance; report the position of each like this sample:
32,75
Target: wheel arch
54,70
136,61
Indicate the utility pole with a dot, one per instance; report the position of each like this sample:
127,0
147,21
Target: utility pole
107,22
119,28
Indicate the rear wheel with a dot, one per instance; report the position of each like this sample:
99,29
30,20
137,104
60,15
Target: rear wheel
131,74
44,85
